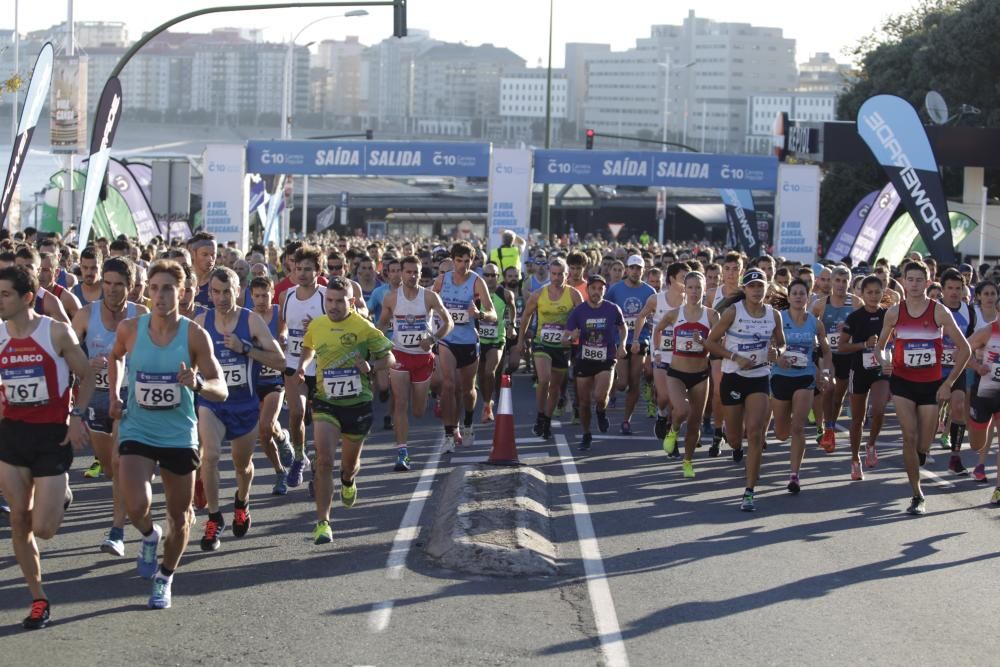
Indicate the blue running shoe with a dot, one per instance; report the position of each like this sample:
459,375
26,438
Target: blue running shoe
402,460
295,471
285,452
160,599
146,561
280,487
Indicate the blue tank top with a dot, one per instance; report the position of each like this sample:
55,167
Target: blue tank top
237,369
77,291
833,317
160,411
800,343
61,279
265,376
99,342
457,299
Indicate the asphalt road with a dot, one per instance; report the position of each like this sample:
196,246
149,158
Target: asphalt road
654,569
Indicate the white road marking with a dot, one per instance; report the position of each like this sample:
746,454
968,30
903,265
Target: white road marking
409,528
936,478
605,617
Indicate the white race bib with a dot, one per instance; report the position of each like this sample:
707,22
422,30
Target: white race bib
101,379
667,340
552,334
488,330
833,340
686,342
157,391
295,337
630,323
594,353
797,355
26,387
268,372
948,356
919,354
341,382
235,375
459,316
755,352
869,359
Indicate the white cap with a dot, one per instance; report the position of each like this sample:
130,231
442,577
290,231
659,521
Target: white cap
635,260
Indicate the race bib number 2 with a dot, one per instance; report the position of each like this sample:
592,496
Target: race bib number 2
552,334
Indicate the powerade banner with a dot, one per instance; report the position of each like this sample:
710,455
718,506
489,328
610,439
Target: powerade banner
881,212
891,128
38,90
373,158
105,123
903,238
742,220
844,241
678,170
121,178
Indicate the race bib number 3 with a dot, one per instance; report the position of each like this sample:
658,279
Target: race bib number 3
797,355
948,356
341,382
552,334
594,352
919,354
157,391
26,387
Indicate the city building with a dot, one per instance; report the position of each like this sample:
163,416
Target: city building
822,74
576,56
337,82
804,107
387,81
522,105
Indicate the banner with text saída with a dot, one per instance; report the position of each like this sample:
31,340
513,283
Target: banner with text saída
509,203
796,212
224,198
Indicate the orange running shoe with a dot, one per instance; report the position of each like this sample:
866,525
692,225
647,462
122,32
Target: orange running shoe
829,441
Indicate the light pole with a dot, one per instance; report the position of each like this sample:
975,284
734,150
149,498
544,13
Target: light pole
545,221
286,105
663,146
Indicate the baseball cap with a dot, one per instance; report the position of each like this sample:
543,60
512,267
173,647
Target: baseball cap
635,260
754,276
965,268
596,278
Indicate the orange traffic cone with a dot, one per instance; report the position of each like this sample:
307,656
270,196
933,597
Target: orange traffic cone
504,452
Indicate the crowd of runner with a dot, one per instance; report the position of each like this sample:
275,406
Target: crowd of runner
155,356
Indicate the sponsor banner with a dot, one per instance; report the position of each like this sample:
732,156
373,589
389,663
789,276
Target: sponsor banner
374,158
272,213
844,241
179,229
742,219
120,177
38,88
903,237
143,174
796,212
326,217
893,131
876,222
679,170
68,105
109,113
509,202
224,196
257,193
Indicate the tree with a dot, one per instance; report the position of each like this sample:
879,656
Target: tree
944,45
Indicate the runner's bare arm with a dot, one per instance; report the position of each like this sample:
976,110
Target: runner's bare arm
68,347
487,312
434,304
826,354
265,349
203,361
647,310
388,306
714,341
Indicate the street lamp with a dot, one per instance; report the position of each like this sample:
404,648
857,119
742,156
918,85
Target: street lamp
666,92
286,106
545,212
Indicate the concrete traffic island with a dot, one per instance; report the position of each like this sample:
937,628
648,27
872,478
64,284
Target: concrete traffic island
493,520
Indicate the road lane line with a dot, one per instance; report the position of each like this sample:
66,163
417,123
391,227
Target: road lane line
409,528
934,477
601,602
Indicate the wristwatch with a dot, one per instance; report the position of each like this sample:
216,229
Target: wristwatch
246,347
199,382
76,412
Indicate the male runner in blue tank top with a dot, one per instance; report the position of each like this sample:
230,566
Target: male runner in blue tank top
170,361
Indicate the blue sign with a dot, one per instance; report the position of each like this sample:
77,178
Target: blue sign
679,170
372,158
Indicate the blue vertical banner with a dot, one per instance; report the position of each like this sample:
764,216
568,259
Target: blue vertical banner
844,240
742,219
876,222
894,134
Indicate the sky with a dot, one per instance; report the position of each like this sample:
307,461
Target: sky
520,25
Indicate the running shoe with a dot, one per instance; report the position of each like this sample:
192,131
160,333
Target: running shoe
38,616
918,506
212,539
979,473
280,487
146,561
995,499
448,446
737,454
286,453
687,469
348,494
387,423
488,412
955,466
114,543
322,533
547,429
828,441
793,484
585,441
241,521
94,471
670,442
295,472
661,427
603,423
402,460
459,438
200,500
871,456
468,431
68,498
747,504
856,474
160,598
536,430
945,442
811,417
626,427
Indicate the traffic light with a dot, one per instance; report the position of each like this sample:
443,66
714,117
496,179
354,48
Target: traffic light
399,18
369,134
590,140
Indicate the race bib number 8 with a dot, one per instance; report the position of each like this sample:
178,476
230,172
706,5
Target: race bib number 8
157,391
919,354
489,330
552,334
594,352
459,316
833,340
686,341
341,382
26,387
667,341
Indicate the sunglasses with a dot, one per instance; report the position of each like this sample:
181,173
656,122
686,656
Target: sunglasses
335,267
490,275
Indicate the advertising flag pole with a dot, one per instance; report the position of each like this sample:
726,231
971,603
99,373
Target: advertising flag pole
982,226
